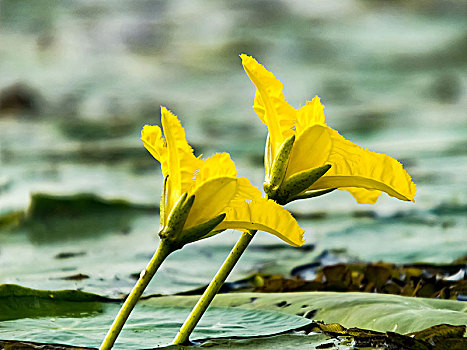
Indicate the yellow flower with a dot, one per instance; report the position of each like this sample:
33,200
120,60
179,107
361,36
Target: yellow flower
203,197
305,157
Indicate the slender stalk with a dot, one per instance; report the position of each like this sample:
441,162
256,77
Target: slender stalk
213,288
159,256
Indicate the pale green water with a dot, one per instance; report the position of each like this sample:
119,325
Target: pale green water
393,78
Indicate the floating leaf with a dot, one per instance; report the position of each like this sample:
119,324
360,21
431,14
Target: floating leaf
378,312
18,302
58,218
439,337
80,319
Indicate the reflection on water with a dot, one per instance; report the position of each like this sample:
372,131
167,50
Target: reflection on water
78,80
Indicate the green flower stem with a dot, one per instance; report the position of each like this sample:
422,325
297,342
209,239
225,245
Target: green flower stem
159,256
213,288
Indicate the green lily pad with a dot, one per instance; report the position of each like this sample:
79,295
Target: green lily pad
316,336
378,312
149,326
82,319
18,302
52,218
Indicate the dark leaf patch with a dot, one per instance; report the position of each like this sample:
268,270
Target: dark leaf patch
433,338
447,281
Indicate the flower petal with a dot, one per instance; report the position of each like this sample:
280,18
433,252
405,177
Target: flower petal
246,190
310,114
268,159
362,195
182,163
353,166
270,105
151,135
218,165
210,200
265,215
310,150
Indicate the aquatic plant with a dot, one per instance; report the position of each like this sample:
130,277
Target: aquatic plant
200,199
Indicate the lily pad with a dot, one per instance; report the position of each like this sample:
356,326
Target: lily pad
78,319
378,312
82,319
18,302
58,218
439,337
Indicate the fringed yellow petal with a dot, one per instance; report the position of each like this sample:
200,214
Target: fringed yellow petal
218,165
210,200
285,124
258,107
163,212
310,150
310,114
270,104
182,164
151,136
265,215
246,190
363,196
268,159
353,166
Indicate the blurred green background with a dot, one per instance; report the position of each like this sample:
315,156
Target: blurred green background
79,79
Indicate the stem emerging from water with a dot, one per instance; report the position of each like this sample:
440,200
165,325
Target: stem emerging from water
211,291
146,275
